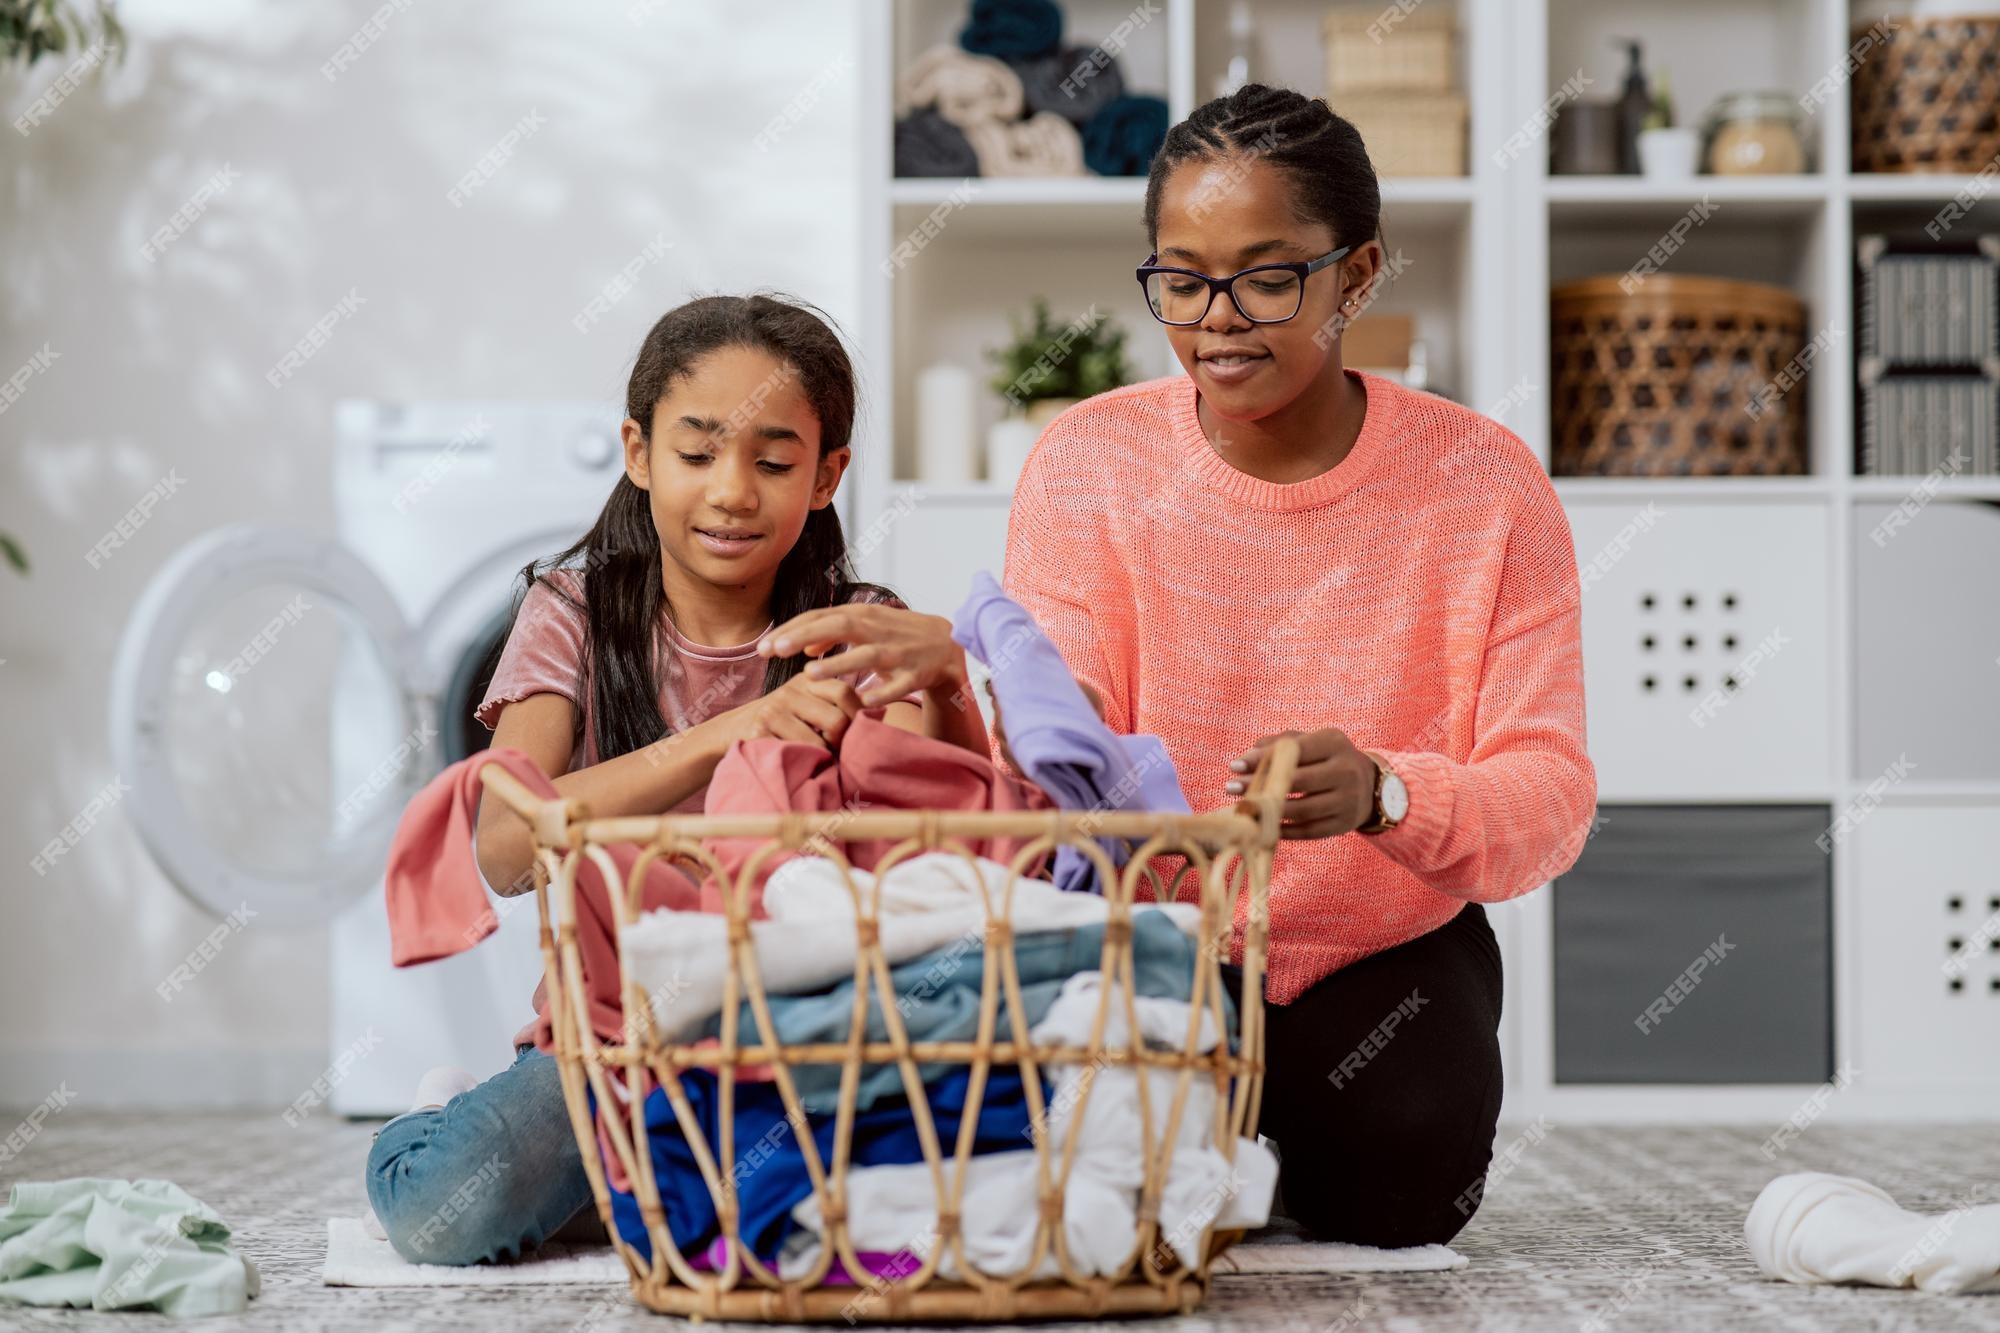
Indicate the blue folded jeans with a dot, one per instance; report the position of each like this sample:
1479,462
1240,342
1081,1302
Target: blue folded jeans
491,1173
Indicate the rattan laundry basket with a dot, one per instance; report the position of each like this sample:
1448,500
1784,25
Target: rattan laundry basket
1228,853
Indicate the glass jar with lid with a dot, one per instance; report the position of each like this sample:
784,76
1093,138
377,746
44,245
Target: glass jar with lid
1755,134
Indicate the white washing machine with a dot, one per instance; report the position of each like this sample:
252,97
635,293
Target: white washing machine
278,698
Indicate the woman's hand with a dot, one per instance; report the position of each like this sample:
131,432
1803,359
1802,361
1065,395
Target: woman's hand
802,709
906,650
1333,788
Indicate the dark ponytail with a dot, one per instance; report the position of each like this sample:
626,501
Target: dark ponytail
619,557
1332,180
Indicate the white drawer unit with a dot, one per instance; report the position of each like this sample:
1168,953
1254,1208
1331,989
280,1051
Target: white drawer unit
1927,1000
1705,636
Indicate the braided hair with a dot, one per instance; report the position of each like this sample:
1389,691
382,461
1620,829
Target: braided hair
1332,180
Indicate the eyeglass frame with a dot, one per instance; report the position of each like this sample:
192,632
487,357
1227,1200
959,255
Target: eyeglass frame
1303,268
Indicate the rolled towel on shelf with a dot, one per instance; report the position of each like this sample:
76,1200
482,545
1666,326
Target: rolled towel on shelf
965,89
1120,140
1042,145
1071,83
1013,29
929,145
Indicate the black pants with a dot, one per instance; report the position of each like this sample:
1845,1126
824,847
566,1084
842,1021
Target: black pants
1382,1088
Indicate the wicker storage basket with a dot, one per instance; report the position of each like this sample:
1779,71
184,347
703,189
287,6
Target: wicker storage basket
1371,50
1929,98
1676,379
1409,134
1227,852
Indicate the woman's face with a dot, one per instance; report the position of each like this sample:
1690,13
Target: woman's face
733,466
1218,216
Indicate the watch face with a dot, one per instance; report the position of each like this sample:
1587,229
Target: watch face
1395,798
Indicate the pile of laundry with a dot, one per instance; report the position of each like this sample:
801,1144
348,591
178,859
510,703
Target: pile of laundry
933,912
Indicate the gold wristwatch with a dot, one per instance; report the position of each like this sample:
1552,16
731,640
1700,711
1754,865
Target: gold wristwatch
1392,798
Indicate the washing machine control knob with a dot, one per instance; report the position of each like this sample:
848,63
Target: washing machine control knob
593,450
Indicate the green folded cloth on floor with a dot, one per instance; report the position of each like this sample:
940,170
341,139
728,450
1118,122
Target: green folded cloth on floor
119,1245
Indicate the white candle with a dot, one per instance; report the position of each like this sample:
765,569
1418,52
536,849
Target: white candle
946,406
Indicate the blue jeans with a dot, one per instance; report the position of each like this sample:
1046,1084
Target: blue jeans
488,1175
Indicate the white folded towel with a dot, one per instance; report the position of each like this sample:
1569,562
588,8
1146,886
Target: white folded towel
931,901
1811,1227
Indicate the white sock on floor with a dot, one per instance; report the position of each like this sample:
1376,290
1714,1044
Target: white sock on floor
1811,1227
442,1084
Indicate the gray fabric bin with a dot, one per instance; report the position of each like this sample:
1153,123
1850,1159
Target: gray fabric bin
1740,896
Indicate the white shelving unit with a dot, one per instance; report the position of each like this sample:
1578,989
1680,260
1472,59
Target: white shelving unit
1484,251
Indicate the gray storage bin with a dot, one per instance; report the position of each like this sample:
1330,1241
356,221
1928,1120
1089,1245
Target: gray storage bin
1739,895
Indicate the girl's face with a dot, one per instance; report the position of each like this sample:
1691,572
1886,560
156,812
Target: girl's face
1223,215
733,466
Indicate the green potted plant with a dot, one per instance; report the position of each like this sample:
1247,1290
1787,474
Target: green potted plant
1046,368
1049,366
31,29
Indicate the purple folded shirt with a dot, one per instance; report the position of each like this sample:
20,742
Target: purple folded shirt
1057,738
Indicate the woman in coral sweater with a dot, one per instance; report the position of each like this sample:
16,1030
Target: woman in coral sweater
1274,545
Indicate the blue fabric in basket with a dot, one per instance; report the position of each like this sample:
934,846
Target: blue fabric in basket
770,1170
938,994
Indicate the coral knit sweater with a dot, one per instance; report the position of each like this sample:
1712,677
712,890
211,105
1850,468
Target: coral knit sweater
1421,596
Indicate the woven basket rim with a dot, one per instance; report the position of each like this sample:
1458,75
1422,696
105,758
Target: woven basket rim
1678,289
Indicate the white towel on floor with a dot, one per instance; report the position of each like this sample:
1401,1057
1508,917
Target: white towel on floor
929,902
356,1259
1336,1257
1811,1227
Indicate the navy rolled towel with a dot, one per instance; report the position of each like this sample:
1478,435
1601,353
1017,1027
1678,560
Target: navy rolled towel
1121,139
1076,83
1013,29
929,145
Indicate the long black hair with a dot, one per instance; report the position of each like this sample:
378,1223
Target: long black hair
1332,180
619,557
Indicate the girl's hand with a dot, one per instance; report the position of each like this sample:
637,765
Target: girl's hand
815,712
906,650
1333,789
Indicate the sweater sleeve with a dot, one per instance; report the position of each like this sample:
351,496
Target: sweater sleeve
1517,812
1058,572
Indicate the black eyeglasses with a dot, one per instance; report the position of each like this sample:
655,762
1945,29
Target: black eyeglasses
1272,295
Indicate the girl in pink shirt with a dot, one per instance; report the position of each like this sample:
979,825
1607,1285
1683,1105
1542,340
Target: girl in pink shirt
634,662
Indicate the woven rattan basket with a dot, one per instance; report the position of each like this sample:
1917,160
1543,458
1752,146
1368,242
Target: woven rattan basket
1227,853
1929,98
1683,376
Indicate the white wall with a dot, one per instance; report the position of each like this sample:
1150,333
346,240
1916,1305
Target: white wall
652,112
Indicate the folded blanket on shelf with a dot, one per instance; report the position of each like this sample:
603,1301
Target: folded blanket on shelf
1043,145
894,1208
929,145
1055,735
1122,137
1014,29
1811,1227
1075,83
963,88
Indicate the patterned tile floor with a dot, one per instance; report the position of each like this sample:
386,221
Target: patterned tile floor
1640,1228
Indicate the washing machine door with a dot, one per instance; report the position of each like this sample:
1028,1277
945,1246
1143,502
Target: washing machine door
264,718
